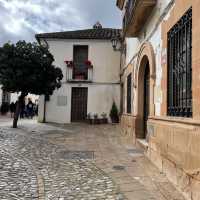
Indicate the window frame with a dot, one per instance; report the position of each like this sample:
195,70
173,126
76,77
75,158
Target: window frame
179,67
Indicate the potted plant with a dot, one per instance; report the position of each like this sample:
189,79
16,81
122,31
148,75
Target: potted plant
96,121
114,114
89,118
69,63
104,118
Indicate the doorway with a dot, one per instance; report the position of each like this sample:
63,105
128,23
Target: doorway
146,97
79,104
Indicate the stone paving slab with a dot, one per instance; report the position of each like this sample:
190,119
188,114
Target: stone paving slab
75,162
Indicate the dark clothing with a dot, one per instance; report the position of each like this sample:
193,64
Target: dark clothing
12,107
29,108
22,113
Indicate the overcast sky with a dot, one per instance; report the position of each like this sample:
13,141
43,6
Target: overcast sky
21,19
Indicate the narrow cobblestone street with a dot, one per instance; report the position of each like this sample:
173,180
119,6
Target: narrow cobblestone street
77,161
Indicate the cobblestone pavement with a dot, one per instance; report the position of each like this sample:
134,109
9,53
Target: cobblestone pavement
75,162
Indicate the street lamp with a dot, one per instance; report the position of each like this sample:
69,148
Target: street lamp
116,44
44,43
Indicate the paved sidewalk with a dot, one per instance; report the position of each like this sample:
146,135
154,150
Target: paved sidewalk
77,161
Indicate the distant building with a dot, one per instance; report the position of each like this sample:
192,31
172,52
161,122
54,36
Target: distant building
91,71
7,97
161,85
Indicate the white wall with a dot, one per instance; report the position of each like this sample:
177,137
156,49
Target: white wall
104,89
14,97
100,99
101,54
132,47
151,32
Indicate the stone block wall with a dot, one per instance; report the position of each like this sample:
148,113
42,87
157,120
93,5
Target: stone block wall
175,148
127,124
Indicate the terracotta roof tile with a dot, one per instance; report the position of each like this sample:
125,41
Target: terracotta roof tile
100,33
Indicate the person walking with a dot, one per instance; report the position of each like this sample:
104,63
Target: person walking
12,109
30,108
22,112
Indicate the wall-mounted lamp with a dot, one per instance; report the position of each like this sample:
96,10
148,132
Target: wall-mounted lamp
116,44
44,43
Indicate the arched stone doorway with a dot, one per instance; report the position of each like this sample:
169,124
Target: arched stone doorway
145,88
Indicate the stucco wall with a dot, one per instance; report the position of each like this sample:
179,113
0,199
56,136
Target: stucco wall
100,99
104,89
151,32
14,97
105,61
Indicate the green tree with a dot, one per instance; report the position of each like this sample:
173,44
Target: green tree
28,68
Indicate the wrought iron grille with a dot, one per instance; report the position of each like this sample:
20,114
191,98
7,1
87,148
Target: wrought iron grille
129,93
180,67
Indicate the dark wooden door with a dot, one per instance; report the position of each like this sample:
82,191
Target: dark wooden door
79,104
146,97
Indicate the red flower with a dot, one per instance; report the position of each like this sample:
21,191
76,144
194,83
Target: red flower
69,63
88,63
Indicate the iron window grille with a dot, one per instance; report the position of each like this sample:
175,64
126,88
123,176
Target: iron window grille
129,93
180,67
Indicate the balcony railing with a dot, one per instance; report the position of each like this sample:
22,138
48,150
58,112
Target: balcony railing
128,12
79,73
136,14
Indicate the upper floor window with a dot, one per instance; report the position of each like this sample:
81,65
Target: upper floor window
129,81
180,67
80,54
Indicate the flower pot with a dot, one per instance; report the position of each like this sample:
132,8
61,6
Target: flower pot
101,121
115,120
105,120
96,121
91,121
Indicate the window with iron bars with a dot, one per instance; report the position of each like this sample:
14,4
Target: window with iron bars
180,67
129,93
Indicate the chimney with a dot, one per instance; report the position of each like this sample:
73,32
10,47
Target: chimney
97,25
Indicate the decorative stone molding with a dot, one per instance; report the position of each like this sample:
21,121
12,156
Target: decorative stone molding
145,54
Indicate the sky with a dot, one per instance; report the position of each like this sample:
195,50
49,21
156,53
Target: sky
21,19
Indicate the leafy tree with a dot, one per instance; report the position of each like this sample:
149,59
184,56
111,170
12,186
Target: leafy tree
28,68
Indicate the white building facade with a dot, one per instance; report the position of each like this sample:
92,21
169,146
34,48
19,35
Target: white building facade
160,86
7,97
91,83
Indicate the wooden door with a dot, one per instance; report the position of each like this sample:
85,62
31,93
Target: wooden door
79,104
146,97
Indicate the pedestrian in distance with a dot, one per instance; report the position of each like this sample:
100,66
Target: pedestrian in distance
12,109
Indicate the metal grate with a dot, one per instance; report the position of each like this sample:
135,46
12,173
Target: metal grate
180,67
76,155
129,93
118,167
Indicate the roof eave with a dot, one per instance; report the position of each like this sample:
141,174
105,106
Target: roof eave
62,38
120,4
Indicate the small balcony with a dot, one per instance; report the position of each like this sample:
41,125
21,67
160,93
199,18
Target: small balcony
79,73
136,14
